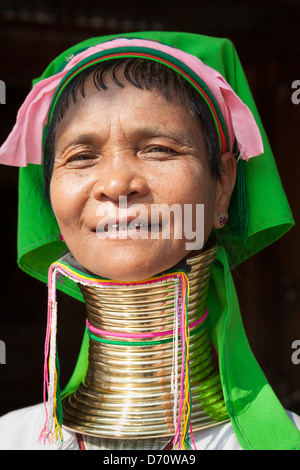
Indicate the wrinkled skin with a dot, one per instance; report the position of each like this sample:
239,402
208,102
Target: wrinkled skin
134,143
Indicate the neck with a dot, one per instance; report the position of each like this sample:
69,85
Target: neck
133,384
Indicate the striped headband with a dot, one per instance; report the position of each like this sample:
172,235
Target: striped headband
233,120
157,56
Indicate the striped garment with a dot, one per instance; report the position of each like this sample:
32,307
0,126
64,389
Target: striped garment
98,443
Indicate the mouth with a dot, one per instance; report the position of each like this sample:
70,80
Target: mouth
121,227
126,228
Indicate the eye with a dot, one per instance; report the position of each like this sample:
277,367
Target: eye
82,158
160,150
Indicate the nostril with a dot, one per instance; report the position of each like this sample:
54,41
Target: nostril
114,184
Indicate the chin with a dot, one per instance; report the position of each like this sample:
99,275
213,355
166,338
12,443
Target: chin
131,266
131,272
128,260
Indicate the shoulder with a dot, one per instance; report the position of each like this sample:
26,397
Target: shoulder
20,430
222,436
295,418
219,437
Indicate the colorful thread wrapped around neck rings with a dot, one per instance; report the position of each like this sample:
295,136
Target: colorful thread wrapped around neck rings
149,336
52,431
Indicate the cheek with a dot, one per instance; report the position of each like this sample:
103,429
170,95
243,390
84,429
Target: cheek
193,184
198,189
209,211
67,198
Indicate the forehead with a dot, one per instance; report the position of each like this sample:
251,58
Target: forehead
143,74
136,109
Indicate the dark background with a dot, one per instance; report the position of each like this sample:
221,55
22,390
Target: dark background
266,35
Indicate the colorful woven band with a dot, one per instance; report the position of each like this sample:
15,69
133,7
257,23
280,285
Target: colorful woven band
157,56
150,341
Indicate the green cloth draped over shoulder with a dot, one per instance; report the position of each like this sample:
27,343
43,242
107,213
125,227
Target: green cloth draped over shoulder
258,418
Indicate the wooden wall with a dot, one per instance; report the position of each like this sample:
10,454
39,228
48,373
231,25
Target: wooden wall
266,35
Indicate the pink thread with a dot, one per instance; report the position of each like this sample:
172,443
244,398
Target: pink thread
44,433
182,336
108,283
185,364
140,335
192,437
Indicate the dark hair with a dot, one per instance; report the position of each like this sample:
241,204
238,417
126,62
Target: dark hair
144,74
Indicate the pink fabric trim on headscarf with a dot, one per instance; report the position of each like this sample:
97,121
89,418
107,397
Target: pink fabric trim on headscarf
24,143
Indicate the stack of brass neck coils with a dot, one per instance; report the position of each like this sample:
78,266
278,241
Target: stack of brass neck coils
127,392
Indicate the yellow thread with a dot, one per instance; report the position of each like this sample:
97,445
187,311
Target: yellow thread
57,428
108,281
61,267
186,405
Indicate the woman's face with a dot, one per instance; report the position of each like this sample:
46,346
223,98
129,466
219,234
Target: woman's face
122,156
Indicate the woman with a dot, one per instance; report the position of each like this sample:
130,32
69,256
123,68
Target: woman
151,165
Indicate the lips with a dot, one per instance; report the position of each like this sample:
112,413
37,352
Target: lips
121,227
126,227
108,224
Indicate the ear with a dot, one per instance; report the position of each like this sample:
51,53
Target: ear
225,187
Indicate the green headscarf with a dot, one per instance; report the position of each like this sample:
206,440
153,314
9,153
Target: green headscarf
258,419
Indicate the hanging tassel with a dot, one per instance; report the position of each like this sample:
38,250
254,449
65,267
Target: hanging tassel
183,429
243,210
238,208
174,374
51,432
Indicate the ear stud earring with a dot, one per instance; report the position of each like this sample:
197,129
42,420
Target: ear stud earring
61,237
222,220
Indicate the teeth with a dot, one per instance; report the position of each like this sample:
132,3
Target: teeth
121,227
125,227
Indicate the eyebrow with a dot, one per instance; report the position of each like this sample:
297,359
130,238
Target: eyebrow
81,139
92,139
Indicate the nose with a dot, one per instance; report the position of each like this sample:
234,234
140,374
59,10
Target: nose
120,178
